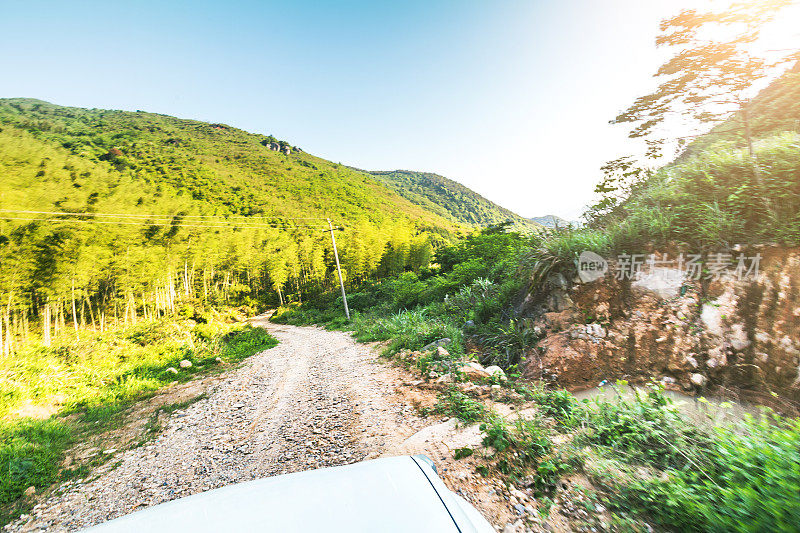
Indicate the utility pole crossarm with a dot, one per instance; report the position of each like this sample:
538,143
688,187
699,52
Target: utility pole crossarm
339,270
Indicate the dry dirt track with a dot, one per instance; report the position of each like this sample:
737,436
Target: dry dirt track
317,399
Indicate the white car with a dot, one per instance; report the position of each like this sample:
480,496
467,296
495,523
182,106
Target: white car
394,494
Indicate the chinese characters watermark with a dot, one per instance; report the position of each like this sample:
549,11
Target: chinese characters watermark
712,266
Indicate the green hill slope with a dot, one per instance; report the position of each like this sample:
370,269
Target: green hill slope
711,196
775,109
450,199
167,176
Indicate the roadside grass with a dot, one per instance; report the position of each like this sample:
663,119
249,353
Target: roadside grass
647,464
89,382
409,330
456,404
657,466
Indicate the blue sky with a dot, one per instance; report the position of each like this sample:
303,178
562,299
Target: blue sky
511,98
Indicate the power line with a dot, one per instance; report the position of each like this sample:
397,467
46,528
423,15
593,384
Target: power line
146,223
136,215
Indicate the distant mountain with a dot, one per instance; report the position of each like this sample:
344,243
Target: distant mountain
551,221
450,199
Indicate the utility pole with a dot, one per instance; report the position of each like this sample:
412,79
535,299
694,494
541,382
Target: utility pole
339,270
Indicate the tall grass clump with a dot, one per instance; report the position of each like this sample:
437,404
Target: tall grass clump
651,462
716,199
409,329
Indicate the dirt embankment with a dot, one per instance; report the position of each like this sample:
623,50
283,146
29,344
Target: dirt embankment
728,335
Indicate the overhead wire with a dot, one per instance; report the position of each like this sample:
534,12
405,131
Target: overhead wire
150,216
176,224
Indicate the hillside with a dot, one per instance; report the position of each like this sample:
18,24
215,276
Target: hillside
450,199
168,176
775,109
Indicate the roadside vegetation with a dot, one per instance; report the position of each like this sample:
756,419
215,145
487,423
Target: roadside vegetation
436,300
52,398
467,294
644,463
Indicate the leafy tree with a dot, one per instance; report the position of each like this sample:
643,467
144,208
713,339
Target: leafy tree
708,79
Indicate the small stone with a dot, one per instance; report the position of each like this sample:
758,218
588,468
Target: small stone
436,344
441,352
185,363
698,380
218,359
171,370
109,451
30,491
474,371
496,371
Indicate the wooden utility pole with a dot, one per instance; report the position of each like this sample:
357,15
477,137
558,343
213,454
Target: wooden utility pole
339,270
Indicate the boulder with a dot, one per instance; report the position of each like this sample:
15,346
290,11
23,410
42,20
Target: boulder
445,378
436,344
698,380
664,283
496,371
441,352
474,371
171,370
738,338
30,491
185,363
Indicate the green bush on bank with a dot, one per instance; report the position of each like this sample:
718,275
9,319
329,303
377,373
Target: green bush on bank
647,461
740,478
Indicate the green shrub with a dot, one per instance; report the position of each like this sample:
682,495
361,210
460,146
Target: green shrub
245,341
455,403
521,446
409,329
559,404
749,482
648,428
31,452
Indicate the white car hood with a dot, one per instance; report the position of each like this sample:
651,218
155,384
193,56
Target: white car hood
395,494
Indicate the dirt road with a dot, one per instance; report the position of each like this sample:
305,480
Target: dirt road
317,399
